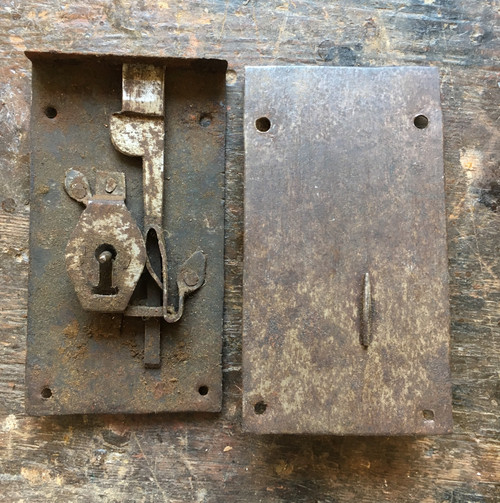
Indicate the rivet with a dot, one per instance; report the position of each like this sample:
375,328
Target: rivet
191,278
79,190
110,185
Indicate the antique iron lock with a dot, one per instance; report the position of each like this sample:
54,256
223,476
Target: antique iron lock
140,145
345,300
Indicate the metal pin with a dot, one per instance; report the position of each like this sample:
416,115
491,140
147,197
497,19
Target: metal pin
105,286
365,335
105,256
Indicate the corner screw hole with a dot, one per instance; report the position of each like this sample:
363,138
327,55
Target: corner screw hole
46,393
428,415
263,124
50,112
260,407
421,121
203,390
205,120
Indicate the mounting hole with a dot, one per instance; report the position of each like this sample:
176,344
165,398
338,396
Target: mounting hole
46,393
50,112
260,407
421,121
428,415
205,120
263,124
203,390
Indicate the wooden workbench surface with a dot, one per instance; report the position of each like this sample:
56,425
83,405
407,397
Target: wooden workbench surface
206,458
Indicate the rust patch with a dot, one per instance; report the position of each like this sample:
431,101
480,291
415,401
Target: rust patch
164,388
71,329
180,353
43,189
104,326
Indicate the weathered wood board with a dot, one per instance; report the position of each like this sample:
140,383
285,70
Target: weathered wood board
207,458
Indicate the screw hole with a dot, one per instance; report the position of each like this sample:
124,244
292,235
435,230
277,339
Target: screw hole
50,112
421,121
203,390
205,120
428,415
46,393
260,407
263,124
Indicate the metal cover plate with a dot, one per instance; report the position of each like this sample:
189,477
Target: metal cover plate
340,182
90,362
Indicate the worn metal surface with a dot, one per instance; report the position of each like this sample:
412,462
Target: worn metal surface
106,254
143,89
346,316
86,362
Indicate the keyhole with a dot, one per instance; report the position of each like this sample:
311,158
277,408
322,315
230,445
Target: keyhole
105,255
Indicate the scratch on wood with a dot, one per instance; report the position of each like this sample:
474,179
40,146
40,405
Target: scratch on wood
152,470
224,21
281,30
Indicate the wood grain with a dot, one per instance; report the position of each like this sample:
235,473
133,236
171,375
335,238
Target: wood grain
186,458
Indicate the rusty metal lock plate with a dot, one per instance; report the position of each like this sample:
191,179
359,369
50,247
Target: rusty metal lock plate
86,249
346,315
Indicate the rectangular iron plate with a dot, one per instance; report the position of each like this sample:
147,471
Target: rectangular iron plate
343,184
90,362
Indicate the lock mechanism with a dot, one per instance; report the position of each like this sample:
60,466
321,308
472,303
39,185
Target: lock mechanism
107,226
127,235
